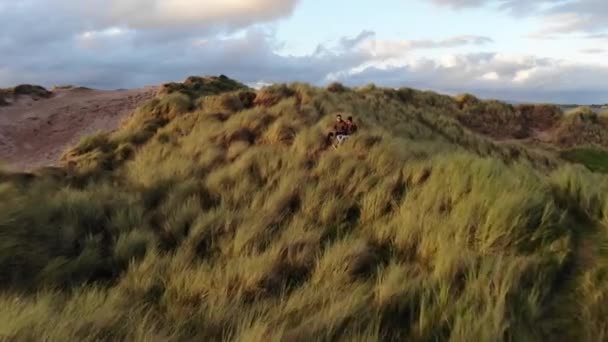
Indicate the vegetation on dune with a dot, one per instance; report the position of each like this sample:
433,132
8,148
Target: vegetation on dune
33,90
502,120
6,95
103,153
36,92
219,213
582,126
70,87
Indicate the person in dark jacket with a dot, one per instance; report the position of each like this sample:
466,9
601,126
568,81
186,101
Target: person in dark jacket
351,126
340,127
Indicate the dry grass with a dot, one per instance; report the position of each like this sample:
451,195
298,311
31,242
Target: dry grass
224,217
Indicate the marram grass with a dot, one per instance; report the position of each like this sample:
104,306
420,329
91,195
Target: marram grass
213,215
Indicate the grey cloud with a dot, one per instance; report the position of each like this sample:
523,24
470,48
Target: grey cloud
37,23
452,42
459,3
597,36
252,58
350,43
519,7
559,16
578,16
548,80
68,41
593,51
119,63
160,49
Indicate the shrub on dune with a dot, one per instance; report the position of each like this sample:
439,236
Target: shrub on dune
269,96
32,90
466,100
336,87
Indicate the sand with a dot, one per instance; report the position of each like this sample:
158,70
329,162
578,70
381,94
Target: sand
35,133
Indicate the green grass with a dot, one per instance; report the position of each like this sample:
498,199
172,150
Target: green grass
594,159
213,215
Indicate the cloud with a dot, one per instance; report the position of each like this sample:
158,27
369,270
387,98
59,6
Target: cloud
154,14
602,36
124,44
459,3
493,75
38,23
593,51
519,7
117,58
558,16
386,49
577,16
110,43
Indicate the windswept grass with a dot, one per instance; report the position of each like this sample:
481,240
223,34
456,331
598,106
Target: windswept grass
219,213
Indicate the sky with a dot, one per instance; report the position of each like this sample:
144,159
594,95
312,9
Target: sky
514,50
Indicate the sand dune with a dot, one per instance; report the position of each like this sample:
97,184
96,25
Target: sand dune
34,133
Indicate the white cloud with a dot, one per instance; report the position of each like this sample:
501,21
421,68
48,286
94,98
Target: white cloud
522,75
110,32
490,76
153,14
387,49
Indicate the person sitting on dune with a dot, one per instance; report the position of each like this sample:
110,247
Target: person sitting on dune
347,127
351,126
343,129
340,127
341,138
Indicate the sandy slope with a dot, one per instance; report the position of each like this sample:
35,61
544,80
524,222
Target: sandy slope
35,133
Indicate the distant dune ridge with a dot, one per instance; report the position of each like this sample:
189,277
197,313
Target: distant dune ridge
84,111
207,210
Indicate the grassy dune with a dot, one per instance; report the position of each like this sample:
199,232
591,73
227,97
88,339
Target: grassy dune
219,213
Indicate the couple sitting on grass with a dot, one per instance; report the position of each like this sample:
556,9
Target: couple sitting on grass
341,131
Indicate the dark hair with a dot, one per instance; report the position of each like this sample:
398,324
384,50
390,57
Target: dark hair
330,134
339,115
350,118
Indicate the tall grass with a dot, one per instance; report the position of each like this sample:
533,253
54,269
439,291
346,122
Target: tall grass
233,220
